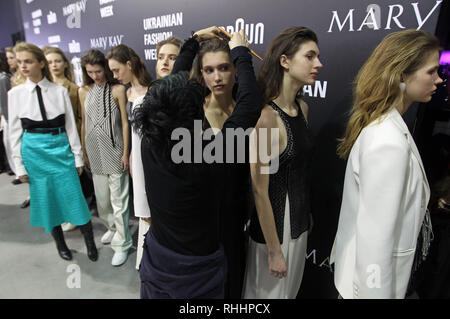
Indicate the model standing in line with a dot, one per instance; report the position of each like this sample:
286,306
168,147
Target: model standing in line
128,68
105,139
216,72
47,151
62,73
280,223
386,192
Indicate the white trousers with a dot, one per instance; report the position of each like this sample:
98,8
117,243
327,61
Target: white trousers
259,283
112,195
143,229
7,144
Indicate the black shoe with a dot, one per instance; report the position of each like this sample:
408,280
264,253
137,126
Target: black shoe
16,182
58,236
25,204
88,235
10,173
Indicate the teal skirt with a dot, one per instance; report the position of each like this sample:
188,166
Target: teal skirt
55,191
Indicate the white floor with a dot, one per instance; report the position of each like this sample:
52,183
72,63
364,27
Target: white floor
30,266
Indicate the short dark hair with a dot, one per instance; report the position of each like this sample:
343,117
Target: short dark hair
174,101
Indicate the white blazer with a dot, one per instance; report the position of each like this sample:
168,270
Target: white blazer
384,201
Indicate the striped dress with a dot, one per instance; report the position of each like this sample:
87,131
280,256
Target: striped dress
103,131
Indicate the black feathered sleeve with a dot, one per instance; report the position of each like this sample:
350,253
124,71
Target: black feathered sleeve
187,55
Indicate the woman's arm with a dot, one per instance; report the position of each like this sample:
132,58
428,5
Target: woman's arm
119,94
190,48
82,97
248,98
260,185
383,172
15,134
72,132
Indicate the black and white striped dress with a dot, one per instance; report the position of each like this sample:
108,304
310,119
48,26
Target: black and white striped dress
103,131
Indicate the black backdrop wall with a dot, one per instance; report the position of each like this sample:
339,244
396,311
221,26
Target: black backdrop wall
347,30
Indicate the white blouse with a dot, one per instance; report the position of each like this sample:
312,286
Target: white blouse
23,103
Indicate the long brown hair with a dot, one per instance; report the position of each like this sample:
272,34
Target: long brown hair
123,54
38,54
68,70
377,85
96,57
270,76
213,45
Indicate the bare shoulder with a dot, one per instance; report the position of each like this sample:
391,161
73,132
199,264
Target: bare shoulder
268,118
303,104
83,90
119,90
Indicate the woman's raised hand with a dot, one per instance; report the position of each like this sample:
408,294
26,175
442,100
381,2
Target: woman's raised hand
238,39
208,33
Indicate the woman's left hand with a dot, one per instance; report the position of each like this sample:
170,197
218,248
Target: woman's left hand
124,163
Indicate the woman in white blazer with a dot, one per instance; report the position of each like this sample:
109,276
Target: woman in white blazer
385,190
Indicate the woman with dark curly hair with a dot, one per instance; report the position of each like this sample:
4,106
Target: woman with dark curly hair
183,256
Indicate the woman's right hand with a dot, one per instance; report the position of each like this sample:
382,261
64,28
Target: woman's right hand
277,265
238,39
208,33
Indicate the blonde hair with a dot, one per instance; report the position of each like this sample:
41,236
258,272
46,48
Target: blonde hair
17,77
38,54
68,71
377,85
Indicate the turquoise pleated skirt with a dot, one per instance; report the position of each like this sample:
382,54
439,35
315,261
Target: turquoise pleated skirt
55,191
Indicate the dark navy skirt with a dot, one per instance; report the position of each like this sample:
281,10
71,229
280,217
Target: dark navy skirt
166,274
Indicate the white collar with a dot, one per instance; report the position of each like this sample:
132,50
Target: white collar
44,84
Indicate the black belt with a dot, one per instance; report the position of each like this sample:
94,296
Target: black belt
54,131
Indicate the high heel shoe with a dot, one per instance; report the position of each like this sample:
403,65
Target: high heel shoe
58,236
25,204
88,235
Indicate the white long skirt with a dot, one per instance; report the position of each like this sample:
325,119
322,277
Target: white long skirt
259,283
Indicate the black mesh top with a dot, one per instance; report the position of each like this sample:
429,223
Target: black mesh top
293,178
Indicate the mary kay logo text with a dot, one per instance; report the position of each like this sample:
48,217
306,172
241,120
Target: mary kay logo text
372,19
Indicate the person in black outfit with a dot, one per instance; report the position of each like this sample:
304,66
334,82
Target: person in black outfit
183,256
215,71
282,217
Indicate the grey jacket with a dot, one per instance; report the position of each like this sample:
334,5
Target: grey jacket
5,86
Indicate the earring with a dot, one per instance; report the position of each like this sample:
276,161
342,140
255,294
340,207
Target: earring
402,86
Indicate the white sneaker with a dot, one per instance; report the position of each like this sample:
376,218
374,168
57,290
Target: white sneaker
68,226
107,237
119,258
